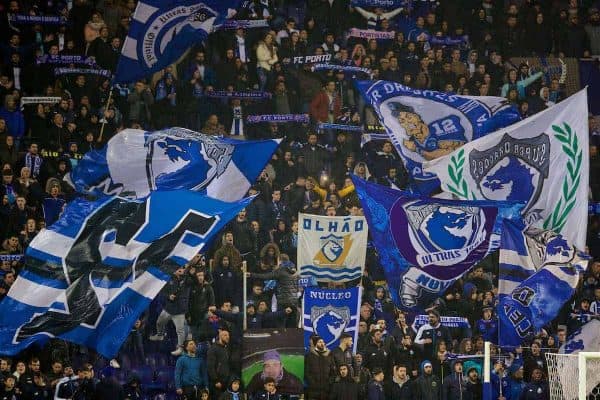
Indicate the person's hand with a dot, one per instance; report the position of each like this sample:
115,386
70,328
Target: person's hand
218,385
212,309
248,274
288,310
427,341
172,297
179,392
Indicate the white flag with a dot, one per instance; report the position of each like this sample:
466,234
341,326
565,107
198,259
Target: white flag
332,249
543,161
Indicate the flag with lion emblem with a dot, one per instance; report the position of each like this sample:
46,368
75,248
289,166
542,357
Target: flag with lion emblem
542,161
331,249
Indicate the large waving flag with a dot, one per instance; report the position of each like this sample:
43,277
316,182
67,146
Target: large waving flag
425,244
136,162
331,249
162,30
425,124
536,297
89,276
543,161
585,338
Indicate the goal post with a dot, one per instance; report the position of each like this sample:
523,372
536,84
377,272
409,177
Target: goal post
574,376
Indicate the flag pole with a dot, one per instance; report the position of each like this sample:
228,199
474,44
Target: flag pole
245,295
104,116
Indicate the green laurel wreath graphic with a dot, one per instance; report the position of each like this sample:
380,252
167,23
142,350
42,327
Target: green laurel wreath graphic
455,170
570,146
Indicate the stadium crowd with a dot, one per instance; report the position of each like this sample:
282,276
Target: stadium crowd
189,342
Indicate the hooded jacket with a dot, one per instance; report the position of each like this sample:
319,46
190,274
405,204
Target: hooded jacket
427,387
454,387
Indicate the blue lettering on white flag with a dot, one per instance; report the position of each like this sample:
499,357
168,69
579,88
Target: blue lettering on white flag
426,124
89,276
425,245
162,30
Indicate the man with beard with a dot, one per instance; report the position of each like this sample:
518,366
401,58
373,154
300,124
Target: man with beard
318,370
342,355
285,382
399,387
427,385
344,387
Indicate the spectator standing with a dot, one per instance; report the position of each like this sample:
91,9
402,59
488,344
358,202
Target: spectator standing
188,381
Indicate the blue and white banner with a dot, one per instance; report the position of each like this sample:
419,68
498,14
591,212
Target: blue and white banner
542,160
329,313
425,124
136,162
279,118
371,34
106,73
331,249
339,127
450,41
225,94
88,277
162,30
345,68
65,59
585,338
11,257
308,59
233,24
381,3
536,297
450,322
37,19
426,244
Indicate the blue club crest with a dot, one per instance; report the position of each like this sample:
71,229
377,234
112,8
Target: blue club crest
329,322
512,170
332,247
181,157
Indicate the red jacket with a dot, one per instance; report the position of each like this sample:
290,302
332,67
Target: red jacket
319,106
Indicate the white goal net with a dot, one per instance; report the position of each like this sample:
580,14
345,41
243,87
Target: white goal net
574,376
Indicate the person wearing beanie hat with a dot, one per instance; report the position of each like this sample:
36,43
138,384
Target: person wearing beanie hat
487,326
318,370
516,372
273,367
233,391
428,385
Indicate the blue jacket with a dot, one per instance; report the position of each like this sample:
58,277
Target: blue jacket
187,372
535,391
516,388
498,382
375,391
454,387
489,329
15,122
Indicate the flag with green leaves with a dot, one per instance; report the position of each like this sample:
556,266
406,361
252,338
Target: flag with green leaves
542,161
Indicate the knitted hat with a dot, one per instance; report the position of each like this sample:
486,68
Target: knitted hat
271,355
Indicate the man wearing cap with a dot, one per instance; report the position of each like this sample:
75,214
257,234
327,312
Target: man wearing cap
285,382
516,373
427,386
344,387
342,355
487,326
375,388
318,370
537,389
454,387
431,333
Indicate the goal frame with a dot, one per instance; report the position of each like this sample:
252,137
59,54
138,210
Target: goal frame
582,357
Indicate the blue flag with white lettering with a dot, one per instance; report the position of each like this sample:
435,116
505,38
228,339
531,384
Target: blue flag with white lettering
89,276
539,271
426,244
161,31
424,124
330,312
135,163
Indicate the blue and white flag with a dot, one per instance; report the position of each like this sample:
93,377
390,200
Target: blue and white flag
88,277
136,162
381,3
542,160
450,322
586,338
329,313
425,124
331,249
37,19
162,30
426,244
536,297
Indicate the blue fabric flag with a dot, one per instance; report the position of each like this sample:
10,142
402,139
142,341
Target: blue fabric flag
136,162
424,124
88,277
330,312
543,270
162,30
426,244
